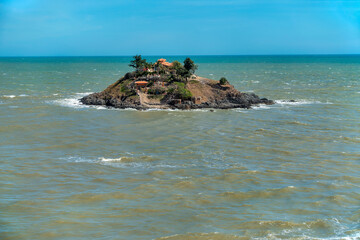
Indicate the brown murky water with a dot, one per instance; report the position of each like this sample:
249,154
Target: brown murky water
288,171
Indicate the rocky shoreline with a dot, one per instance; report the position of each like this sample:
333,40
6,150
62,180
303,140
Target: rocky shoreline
218,98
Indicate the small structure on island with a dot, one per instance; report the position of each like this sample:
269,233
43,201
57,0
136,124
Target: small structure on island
163,62
140,84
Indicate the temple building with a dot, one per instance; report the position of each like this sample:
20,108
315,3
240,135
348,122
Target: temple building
164,62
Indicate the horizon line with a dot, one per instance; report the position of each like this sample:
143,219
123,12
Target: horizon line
191,55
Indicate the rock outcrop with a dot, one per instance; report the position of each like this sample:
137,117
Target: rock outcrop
162,92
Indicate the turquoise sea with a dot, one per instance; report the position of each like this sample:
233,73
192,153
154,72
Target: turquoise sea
286,171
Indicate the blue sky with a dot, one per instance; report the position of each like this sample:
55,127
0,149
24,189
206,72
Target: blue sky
174,27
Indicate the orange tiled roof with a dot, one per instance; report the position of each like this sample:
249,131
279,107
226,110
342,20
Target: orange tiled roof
164,62
167,64
141,82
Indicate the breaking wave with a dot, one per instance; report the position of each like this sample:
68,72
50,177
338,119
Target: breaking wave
14,96
9,96
74,101
127,161
298,102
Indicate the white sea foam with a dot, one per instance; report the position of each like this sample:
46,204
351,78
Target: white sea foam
242,110
79,160
14,96
179,110
299,102
128,109
70,102
90,160
121,162
102,159
159,109
355,236
282,103
261,106
73,102
202,110
341,232
83,94
9,96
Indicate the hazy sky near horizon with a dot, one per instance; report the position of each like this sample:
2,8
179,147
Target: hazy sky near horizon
174,27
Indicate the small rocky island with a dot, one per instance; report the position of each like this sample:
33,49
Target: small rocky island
173,85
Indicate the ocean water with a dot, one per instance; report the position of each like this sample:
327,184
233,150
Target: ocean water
286,171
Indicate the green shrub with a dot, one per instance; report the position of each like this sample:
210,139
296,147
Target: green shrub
183,93
171,90
151,91
123,88
160,97
150,84
180,84
156,91
141,73
172,78
176,65
223,81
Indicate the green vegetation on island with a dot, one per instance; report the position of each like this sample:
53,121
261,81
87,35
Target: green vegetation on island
223,81
174,75
175,71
